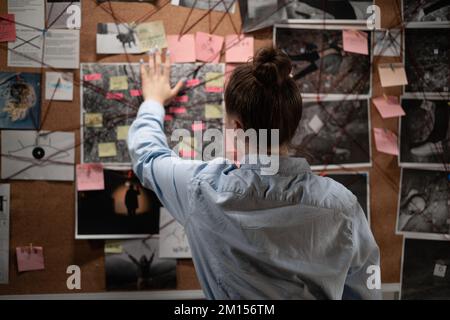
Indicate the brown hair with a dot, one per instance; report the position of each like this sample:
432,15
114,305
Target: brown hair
263,95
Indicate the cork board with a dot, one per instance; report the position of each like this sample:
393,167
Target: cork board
42,212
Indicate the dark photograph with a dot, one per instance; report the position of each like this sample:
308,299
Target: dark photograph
425,133
426,270
321,66
123,209
427,57
137,266
429,11
358,184
334,134
423,204
256,14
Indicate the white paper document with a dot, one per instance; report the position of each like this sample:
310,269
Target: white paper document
173,242
62,49
43,155
59,86
4,232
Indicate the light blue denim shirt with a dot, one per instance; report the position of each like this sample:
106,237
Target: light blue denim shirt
293,235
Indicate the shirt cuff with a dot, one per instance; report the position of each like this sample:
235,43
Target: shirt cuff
152,107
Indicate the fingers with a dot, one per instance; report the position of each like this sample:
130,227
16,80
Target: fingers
177,88
158,62
144,74
167,65
151,63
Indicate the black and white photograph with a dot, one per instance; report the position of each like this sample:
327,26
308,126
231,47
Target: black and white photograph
427,57
423,208
358,184
426,12
117,38
425,270
124,209
334,134
136,266
320,64
118,108
425,133
256,14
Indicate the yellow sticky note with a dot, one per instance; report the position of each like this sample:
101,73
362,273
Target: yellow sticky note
118,83
107,149
113,247
122,132
93,120
213,111
151,35
214,79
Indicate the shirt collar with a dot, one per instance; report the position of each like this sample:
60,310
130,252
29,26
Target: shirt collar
286,164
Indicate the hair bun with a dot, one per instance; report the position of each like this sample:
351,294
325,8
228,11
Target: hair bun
271,67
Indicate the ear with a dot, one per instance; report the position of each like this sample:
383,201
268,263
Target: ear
237,124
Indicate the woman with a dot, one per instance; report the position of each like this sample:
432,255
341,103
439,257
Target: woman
290,235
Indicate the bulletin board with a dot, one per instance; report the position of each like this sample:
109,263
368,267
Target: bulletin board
43,212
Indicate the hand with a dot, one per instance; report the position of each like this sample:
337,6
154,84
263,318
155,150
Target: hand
156,79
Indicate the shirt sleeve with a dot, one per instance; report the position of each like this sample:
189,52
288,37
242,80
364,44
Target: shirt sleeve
363,277
157,167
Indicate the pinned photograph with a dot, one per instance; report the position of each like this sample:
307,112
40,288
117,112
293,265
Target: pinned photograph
38,155
321,67
20,100
342,140
115,38
425,270
63,14
423,209
136,265
123,209
424,133
427,64
173,242
258,14
426,12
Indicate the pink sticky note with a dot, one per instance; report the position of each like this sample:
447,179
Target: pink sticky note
188,154
208,47
135,93
198,126
182,50
90,177
229,68
213,89
388,107
168,117
386,141
355,41
93,77
182,99
238,48
114,96
192,83
30,258
177,110
7,28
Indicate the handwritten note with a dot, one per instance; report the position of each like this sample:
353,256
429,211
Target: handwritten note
114,96
151,35
118,83
7,28
386,141
93,120
214,80
238,48
388,107
392,74
30,258
93,77
208,47
213,111
90,177
113,247
182,50
122,132
106,150
355,41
